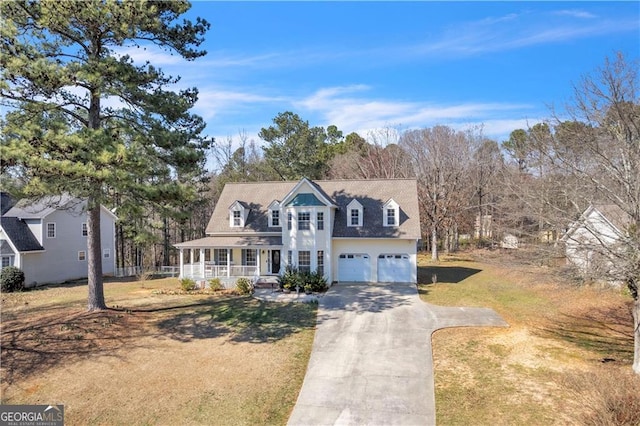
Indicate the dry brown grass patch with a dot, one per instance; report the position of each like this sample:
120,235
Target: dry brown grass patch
155,359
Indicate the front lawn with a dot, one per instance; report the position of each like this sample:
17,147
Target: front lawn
155,359
565,359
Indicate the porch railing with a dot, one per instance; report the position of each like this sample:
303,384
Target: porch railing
194,270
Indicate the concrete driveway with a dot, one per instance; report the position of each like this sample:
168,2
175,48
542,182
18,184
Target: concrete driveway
371,361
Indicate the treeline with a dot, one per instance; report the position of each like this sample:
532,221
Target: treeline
531,186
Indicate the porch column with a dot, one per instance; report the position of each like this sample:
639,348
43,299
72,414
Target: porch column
191,261
258,261
202,263
228,262
181,274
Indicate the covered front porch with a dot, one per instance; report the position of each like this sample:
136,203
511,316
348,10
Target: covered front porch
229,258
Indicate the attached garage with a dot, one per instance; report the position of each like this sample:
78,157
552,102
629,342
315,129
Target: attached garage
354,267
395,267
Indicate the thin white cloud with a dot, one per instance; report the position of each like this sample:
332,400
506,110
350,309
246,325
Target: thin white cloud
516,31
224,60
576,13
337,105
149,53
213,101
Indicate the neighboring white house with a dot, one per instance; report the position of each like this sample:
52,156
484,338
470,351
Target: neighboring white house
47,239
591,242
349,230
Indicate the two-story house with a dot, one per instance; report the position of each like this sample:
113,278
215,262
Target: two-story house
47,239
349,230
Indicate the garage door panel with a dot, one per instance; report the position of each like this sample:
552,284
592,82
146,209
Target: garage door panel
394,268
354,267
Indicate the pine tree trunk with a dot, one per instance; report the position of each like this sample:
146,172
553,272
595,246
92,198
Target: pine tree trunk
94,259
636,335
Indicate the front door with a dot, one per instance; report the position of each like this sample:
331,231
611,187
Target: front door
275,261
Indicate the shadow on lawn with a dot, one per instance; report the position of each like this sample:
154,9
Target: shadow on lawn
244,319
34,343
40,342
607,331
444,274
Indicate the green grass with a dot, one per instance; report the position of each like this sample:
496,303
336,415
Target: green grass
474,284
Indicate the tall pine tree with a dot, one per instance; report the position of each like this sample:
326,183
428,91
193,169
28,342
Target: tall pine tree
85,120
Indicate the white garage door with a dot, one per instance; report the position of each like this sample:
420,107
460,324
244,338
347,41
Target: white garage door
354,267
394,268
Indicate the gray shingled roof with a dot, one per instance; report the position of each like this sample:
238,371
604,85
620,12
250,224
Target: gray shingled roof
40,208
5,248
6,202
224,241
372,194
20,234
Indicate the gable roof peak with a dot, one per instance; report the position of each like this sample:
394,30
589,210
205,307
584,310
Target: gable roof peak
354,203
317,192
240,203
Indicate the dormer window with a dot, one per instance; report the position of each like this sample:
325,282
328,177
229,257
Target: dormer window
238,213
390,213
237,218
274,214
354,219
354,213
391,217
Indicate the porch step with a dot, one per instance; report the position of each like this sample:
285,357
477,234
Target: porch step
267,282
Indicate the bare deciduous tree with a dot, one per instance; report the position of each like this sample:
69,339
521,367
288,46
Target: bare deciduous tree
441,158
596,154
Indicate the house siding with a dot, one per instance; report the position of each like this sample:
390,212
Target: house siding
59,262
587,241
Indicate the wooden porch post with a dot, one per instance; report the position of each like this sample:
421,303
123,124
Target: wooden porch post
228,262
258,261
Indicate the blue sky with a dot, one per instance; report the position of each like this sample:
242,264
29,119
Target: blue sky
368,65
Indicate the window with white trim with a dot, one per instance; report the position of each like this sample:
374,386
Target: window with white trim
82,255
320,221
275,218
249,257
290,258
354,217
7,261
304,261
85,230
51,230
237,218
220,256
391,217
354,213
289,220
390,213
321,262
304,221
